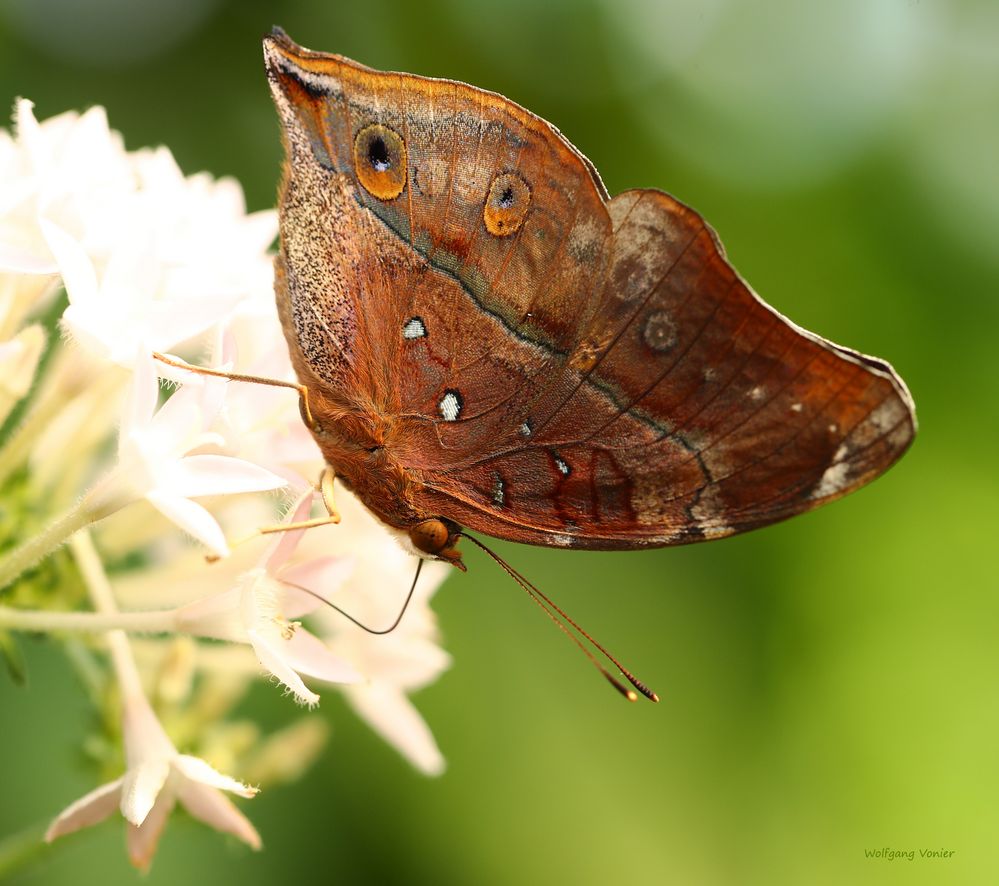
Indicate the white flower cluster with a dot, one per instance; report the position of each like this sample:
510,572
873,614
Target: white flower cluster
153,261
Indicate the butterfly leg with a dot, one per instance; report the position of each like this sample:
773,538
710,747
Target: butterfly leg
326,479
325,489
303,391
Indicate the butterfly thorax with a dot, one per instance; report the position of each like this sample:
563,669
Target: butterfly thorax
356,443
363,446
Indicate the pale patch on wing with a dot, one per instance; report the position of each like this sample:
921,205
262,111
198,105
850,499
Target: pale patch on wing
450,406
499,491
659,332
837,475
414,328
884,420
705,512
319,82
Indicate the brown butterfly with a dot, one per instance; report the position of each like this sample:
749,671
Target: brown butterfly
489,340
486,339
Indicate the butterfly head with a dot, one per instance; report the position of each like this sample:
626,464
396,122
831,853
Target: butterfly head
438,538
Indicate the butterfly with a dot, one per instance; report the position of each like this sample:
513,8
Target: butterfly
490,341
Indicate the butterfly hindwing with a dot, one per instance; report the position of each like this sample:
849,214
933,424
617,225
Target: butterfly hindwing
704,413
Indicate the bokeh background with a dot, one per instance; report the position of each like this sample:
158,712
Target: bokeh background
830,684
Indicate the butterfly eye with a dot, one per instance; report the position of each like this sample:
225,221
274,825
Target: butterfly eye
430,536
380,161
506,205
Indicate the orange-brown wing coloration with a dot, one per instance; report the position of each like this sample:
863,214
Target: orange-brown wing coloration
502,345
701,413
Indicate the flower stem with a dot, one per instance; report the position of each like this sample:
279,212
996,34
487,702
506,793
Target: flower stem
96,580
152,622
86,511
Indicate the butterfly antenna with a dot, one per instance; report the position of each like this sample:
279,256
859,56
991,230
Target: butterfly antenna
560,618
349,617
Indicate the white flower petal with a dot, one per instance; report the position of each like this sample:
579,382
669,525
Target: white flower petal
181,420
76,267
218,811
284,543
143,839
322,575
214,392
171,324
29,132
308,655
216,616
192,518
393,716
221,475
144,736
274,663
141,786
126,281
262,227
198,770
141,401
404,660
88,810
19,259
296,602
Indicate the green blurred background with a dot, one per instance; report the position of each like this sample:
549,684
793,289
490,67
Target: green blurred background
830,684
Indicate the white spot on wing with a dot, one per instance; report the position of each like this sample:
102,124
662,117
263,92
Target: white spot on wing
525,430
887,416
796,407
562,465
499,490
450,406
563,541
707,511
836,476
414,328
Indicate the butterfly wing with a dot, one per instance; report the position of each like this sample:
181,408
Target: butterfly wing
704,412
568,369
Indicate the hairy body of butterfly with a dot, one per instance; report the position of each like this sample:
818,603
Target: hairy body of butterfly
489,340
